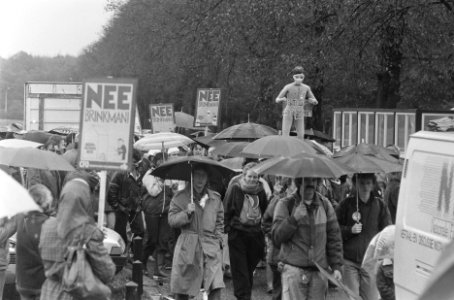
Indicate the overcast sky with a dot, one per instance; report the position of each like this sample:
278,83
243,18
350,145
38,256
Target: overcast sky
50,27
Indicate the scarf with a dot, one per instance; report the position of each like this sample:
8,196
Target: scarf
248,188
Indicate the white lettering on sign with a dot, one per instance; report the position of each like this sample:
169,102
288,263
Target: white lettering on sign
162,111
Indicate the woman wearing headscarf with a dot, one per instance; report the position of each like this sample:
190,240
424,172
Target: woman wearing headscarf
29,266
74,222
244,205
197,260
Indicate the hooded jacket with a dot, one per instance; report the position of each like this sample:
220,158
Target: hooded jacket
315,238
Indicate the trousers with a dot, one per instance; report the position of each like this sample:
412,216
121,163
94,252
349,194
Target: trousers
293,287
287,119
359,281
246,250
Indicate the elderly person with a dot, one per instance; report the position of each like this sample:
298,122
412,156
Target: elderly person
74,222
29,266
244,205
197,260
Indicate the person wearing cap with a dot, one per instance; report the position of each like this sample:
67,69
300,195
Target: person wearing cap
361,216
296,95
305,228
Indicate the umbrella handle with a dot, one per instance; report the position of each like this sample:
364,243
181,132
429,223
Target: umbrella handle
192,192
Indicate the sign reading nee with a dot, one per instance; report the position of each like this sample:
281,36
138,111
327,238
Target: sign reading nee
207,107
162,117
107,124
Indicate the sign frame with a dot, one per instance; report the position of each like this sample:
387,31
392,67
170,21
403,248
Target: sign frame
106,165
151,115
197,112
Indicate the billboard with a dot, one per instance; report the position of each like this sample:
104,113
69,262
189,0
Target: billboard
107,123
207,107
162,117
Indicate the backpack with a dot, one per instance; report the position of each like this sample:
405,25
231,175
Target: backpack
251,214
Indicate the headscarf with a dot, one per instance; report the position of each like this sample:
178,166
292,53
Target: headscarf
75,207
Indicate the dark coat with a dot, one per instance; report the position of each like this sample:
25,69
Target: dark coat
29,266
124,192
374,217
314,238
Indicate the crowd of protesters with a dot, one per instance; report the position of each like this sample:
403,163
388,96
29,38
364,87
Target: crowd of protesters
295,225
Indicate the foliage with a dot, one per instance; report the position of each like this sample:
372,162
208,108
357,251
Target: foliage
22,67
364,53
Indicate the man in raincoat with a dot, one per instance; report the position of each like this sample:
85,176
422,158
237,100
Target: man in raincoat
197,260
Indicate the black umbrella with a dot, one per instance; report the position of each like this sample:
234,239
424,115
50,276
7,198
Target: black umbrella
181,169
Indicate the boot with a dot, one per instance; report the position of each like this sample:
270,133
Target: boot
159,265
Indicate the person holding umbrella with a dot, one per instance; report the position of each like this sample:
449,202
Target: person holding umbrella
306,228
197,260
361,217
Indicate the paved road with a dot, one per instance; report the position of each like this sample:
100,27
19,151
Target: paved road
258,292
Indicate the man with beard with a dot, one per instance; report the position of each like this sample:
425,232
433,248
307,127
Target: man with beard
305,226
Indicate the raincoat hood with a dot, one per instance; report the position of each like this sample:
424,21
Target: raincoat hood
75,207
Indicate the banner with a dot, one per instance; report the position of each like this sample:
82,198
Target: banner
207,107
107,124
162,117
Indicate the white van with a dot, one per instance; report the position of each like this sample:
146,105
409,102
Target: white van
425,213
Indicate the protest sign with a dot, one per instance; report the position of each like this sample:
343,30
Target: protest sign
207,107
107,124
162,117
137,126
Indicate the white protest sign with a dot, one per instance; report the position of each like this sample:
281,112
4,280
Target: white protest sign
207,107
162,117
107,124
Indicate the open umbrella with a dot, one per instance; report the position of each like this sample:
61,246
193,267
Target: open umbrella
18,143
315,134
302,165
161,140
63,130
245,131
277,145
366,163
368,149
207,140
33,158
231,149
15,198
234,163
181,169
